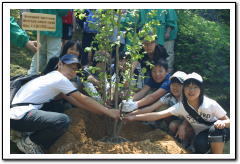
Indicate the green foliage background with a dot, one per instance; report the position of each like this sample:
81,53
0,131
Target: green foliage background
203,46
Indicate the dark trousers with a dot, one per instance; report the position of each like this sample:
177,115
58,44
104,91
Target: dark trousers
202,141
46,126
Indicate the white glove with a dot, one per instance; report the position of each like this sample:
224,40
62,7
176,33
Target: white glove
129,106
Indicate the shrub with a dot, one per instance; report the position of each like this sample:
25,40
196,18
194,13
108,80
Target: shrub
203,46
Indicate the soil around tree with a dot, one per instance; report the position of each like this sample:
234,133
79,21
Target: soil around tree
86,130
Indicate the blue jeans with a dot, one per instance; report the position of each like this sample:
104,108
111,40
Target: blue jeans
46,126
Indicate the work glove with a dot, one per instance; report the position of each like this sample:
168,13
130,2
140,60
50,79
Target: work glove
129,106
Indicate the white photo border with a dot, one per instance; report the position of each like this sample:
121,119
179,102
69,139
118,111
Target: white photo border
60,5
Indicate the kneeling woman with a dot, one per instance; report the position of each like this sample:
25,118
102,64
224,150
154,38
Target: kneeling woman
211,129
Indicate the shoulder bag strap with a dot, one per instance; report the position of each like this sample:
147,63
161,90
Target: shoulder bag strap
195,115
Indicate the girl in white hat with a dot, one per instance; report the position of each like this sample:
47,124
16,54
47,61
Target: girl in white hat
211,124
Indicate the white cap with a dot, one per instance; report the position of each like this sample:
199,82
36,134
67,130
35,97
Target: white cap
195,76
181,76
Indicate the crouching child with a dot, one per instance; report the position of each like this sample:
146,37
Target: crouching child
46,126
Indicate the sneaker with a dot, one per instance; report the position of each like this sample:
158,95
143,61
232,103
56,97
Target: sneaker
28,147
15,135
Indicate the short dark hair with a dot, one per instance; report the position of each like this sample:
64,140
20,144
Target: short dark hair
176,80
161,63
199,84
51,65
160,53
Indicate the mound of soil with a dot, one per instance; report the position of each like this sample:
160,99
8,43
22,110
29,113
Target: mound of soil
87,129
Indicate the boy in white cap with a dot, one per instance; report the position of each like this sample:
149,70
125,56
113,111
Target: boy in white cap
26,114
168,99
212,132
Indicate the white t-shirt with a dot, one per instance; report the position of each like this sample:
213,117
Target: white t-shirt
168,99
210,111
40,90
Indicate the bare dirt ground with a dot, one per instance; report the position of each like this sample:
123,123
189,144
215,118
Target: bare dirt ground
87,129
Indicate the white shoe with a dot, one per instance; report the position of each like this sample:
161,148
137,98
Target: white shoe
28,147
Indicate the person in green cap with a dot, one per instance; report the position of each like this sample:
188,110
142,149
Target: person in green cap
150,27
166,30
19,37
